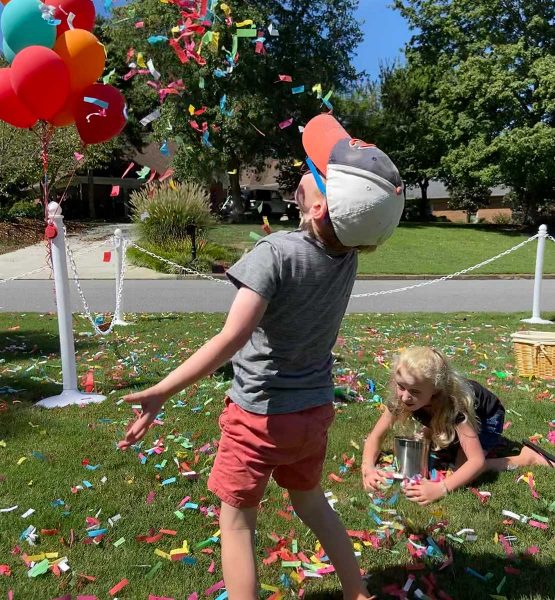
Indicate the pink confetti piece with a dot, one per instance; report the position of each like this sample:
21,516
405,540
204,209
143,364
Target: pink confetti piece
537,524
285,78
214,588
285,124
129,167
533,550
119,586
139,24
78,156
193,596
211,567
115,191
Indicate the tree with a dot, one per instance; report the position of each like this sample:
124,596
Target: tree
237,94
496,93
468,197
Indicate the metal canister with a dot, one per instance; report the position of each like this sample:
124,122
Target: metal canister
412,456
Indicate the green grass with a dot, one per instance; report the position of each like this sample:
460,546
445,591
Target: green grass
54,443
436,249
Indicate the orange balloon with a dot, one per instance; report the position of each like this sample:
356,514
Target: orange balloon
65,116
83,55
4,2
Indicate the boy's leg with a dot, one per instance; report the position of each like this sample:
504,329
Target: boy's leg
313,509
237,527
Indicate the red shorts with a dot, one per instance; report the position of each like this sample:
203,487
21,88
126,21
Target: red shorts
291,447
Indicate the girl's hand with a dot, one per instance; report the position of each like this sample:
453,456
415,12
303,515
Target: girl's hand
373,479
425,492
151,402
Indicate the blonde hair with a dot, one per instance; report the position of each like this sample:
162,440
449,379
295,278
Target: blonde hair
452,396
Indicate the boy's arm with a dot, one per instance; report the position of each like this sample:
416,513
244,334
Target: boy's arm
244,315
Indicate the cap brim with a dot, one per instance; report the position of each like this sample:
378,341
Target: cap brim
319,137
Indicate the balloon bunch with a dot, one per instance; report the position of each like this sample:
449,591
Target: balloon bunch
55,61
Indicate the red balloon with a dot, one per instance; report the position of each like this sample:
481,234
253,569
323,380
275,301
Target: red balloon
40,79
82,9
100,113
11,109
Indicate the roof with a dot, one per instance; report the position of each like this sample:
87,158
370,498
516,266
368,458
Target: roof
437,190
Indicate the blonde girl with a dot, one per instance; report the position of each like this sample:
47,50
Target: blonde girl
462,419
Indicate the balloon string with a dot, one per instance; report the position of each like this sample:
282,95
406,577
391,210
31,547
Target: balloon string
72,173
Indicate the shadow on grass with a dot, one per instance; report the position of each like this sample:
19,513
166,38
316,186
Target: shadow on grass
527,580
29,344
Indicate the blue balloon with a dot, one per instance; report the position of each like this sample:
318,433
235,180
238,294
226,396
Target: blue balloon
8,53
23,25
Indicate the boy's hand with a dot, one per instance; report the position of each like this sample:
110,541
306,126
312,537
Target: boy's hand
151,403
425,492
373,479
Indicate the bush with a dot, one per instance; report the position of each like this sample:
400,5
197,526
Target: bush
26,209
166,215
207,255
502,219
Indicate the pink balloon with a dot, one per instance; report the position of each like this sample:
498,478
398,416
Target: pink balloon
102,118
82,9
11,109
40,80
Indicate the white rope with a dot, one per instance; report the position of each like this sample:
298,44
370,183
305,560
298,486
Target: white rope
446,277
180,267
119,288
550,237
381,293
78,253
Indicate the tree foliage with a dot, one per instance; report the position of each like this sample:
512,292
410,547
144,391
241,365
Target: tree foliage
242,108
495,91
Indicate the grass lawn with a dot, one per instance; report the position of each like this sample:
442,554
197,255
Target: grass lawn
416,249
45,457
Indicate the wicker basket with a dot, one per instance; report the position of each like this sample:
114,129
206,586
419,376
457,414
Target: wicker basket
535,353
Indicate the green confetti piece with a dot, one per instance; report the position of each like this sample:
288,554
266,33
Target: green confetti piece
154,570
39,569
119,542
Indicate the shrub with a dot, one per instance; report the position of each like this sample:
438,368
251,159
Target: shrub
165,215
502,219
26,209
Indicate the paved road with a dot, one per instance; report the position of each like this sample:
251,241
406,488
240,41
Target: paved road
206,296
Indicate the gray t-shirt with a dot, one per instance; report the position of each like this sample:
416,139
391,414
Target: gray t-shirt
286,366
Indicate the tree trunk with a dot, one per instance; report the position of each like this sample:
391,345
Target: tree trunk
237,198
90,194
424,205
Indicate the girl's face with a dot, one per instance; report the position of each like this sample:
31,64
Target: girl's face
413,392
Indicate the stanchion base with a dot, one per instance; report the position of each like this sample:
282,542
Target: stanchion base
121,322
537,321
70,398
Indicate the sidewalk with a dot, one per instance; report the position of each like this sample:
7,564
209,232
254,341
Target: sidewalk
88,251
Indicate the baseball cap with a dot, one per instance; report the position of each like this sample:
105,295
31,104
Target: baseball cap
363,186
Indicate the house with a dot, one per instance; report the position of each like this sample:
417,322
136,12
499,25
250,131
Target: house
438,196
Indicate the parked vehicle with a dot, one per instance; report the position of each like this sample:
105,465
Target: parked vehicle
264,201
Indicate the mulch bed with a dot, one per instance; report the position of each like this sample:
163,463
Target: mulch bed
25,232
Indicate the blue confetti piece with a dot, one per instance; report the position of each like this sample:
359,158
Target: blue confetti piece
96,532
371,385
164,148
190,505
40,456
376,518
87,484
156,39
222,596
205,139
393,499
91,467
96,102
189,560
328,104
58,502
219,73
168,481
297,90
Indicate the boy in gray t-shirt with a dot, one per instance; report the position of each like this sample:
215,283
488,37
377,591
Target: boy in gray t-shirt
293,290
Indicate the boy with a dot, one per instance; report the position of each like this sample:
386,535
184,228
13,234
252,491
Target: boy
293,290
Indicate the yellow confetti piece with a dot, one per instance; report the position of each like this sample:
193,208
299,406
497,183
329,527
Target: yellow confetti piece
191,109
175,29
265,221
215,39
30,483
226,10
172,184
496,538
244,24
234,172
317,89
2,444
355,445
297,163
163,554
185,546
295,577
269,588
21,460
141,60
357,546
36,557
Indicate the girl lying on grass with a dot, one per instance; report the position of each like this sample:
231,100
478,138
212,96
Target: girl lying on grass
462,419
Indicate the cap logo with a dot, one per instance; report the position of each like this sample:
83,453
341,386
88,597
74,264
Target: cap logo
356,143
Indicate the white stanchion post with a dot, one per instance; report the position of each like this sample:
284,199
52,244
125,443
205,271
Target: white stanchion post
70,394
536,303
119,251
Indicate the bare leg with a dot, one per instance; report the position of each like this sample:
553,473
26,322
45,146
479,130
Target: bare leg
238,562
526,458
314,510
